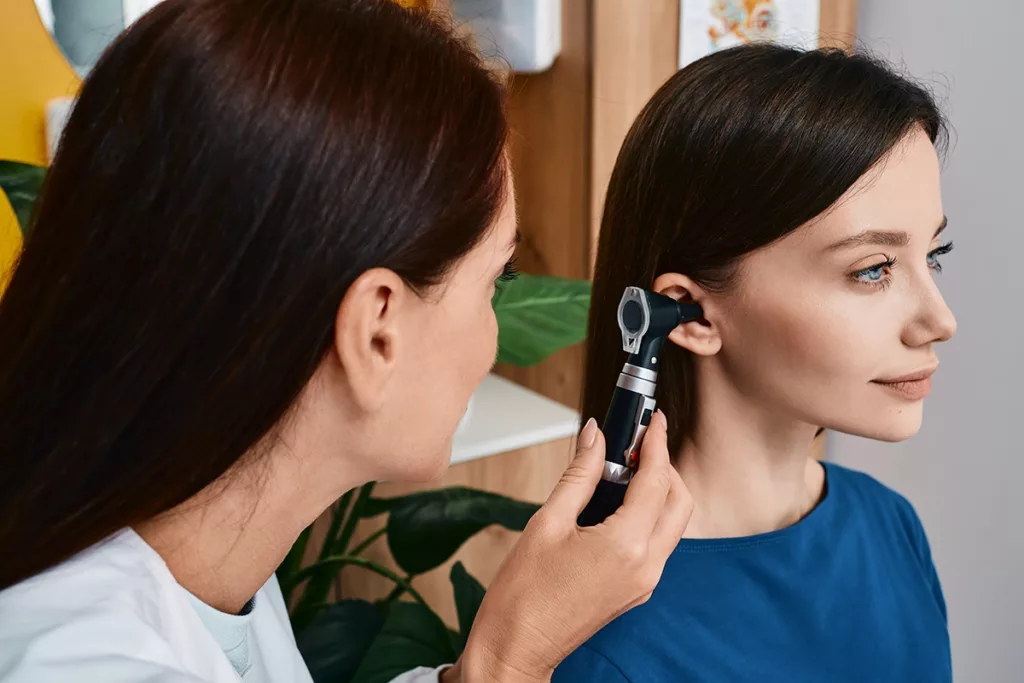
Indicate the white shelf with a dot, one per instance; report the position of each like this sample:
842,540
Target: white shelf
504,416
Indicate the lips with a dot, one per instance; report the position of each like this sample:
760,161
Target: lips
914,386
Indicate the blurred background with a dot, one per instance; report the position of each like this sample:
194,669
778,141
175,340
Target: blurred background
584,68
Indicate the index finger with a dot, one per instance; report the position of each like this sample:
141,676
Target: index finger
646,493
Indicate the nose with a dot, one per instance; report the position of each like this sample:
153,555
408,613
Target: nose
932,321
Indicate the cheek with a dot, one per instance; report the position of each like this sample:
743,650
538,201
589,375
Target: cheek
814,359
471,346
484,341
799,350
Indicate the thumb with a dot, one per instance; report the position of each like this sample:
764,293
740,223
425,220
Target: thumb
574,490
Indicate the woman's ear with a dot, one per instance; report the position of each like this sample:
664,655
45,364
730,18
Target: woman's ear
700,336
367,335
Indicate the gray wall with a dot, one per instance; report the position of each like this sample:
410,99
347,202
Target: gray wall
965,471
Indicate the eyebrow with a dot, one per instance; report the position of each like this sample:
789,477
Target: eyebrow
884,238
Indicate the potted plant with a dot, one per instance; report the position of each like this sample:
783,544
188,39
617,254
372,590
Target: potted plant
359,641
354,640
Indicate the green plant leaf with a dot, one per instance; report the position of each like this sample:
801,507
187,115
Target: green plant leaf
412,636
342,541
376,506
334,644
291,563
329,567
426,528
538,315
336,542
456,640
21,183
338,511
468,596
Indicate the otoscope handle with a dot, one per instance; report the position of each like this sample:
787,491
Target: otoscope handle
607,498
629,413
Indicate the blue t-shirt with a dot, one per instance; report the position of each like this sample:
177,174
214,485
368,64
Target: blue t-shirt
847,595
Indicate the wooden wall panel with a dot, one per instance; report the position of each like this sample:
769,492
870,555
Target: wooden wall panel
634,53
838,23
550,149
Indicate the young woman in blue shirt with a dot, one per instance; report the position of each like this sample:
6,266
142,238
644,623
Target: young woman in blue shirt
795,197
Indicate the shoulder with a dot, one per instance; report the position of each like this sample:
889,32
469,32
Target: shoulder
866,490
102,615
120,575
888,515
878,505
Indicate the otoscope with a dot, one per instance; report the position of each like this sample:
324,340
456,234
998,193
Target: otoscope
645,320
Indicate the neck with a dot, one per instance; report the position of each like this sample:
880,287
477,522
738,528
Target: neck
749,470
224,543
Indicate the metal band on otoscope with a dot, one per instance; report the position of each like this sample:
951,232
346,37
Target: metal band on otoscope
636,385
642,373
616,473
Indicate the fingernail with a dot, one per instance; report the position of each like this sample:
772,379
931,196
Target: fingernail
589,434
664,420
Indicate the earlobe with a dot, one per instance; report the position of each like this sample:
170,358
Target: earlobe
700,336
366,334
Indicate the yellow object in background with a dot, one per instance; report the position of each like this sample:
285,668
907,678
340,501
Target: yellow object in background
32,72
10,241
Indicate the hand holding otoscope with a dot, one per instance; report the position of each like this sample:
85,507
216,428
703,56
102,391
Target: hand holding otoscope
608,569
645,320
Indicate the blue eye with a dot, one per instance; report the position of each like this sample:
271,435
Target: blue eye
875,275
933,256
872,274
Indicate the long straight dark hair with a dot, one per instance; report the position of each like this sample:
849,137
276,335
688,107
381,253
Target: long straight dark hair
230,168
734,152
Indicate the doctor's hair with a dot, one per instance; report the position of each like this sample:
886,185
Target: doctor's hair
734,152
229,170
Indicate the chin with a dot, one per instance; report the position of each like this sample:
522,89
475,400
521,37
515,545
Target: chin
890,428
895,434
441,464
428,466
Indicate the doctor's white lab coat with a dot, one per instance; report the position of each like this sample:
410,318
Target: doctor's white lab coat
115,614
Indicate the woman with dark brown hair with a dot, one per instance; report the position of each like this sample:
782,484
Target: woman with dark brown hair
795,197
259,276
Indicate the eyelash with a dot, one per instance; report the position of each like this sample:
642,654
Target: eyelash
511,270
935,253
890,263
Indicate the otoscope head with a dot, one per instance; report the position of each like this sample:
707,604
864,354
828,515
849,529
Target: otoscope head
646,318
